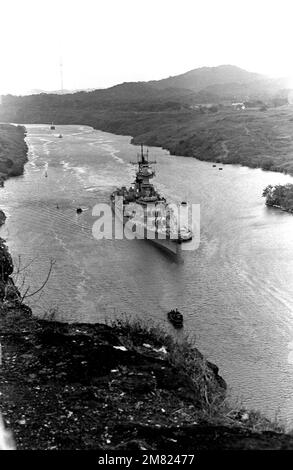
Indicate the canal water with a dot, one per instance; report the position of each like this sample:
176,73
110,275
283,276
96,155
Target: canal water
235,290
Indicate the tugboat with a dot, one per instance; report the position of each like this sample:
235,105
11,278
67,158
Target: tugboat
176,318
159,227
52,127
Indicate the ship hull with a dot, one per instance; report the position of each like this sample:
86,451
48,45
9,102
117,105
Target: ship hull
166,244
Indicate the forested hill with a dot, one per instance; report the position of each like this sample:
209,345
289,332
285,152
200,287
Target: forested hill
192,114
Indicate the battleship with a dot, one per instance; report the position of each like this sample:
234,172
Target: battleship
156,220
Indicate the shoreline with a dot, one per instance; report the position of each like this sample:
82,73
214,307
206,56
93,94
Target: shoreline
13,157
254,138
14,151
136,141
218,139
216,158
282,208
276,196
218,152
126,387
2,217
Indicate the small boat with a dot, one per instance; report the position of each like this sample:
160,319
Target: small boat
176,318
214,166
60,136
52,127
221,168
46,174
79,210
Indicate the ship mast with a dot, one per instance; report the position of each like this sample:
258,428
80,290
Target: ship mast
144,173
142,159
141,153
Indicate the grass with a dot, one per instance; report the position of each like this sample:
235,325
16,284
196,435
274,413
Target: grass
183,355
215,406
99,387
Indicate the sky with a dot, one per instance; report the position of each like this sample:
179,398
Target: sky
104,42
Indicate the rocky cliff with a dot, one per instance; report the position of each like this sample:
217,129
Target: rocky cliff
118,387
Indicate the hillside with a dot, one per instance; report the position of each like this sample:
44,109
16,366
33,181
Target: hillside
203,77
167,114
120,387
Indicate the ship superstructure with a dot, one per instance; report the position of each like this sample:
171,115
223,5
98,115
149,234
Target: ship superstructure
155,218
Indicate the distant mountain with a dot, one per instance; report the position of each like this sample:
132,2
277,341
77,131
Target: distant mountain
204,77
207,85
264,89
39,91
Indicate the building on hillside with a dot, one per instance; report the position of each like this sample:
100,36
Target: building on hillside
238,106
